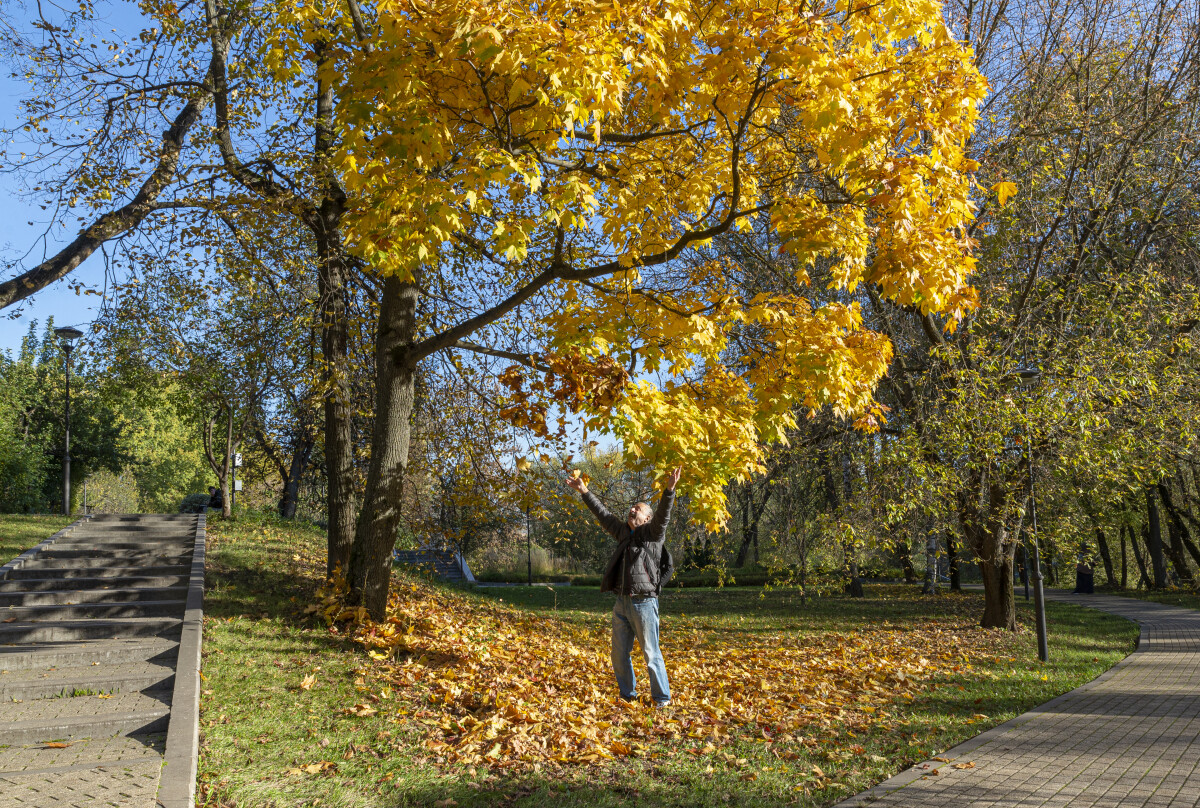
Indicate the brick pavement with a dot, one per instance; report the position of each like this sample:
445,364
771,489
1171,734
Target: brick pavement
89,634
1128,739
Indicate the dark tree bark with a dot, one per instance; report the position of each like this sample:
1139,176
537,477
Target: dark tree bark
1144,582
952,562
752,513
1173,548
905,558
987,535
301,456
335,339
1179,529
221,468
1154,542
853,586
1124,560
395,390
1105,556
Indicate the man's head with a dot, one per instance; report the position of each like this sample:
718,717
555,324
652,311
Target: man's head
639,514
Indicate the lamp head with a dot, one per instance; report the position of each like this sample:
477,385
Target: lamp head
68,334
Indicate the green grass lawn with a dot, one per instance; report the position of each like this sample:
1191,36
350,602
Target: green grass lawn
292,713
1187,598
19,532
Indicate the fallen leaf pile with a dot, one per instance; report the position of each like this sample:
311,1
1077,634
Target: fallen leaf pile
505,688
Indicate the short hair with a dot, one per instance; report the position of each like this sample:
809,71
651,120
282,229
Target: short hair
645,509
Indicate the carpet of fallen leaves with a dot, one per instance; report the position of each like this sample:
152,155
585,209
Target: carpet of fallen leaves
502,687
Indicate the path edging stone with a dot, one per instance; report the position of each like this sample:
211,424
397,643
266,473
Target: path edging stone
177,786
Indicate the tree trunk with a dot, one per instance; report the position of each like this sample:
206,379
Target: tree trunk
227,507
752,514
335,334
1124,561
952,563
1105,556
930,587
301,455
747,500
988,537
370,563
1154,542
1179,528
910,572
999,601
1144,582
1174,547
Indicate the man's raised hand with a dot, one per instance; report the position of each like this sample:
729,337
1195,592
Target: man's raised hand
576,482
673,478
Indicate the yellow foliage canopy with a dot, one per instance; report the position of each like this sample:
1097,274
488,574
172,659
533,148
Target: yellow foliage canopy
583,155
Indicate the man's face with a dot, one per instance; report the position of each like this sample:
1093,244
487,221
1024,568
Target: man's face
638,515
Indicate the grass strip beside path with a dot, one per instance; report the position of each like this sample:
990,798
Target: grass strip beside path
294,713
1174,596
19,532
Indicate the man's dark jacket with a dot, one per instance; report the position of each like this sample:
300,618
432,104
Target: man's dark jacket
644,544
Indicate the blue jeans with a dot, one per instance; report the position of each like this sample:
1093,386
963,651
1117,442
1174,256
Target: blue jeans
637,618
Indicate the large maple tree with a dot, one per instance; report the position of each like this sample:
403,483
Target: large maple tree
571,162
541,182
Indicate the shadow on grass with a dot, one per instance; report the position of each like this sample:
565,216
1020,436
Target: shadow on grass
639,784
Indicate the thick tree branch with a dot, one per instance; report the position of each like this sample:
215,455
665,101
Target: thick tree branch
113,223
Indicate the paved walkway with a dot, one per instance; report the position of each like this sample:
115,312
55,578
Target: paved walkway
1129,738
90,626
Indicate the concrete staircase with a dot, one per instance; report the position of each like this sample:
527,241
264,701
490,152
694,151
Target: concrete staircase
90,627
445,564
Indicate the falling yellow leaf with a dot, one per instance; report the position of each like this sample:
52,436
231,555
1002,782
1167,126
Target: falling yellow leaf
1004,190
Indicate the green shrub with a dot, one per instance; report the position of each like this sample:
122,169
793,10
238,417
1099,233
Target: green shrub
194,503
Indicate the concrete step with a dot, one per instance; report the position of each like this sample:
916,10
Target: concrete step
121,560
34,570
125,534
30,759
73,596
128,677
41,656
84,717
104,545
111,551
85,611
131,527
112,583
97,629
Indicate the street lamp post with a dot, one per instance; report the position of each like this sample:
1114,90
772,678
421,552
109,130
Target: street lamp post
1027,377
68,335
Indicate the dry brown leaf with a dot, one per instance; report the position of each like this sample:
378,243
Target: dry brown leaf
967,765
498,686
308,681
313,768
56,745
